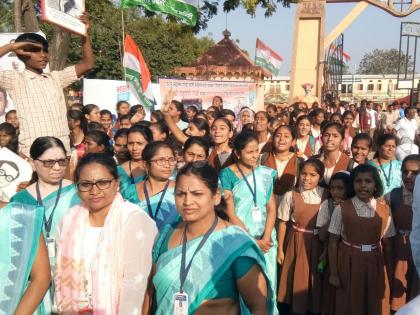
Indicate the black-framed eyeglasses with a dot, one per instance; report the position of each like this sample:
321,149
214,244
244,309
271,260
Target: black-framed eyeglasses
162,161
9,178
51,163
101,184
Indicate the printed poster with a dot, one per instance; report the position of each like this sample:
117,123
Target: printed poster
235,94
13,170
64,13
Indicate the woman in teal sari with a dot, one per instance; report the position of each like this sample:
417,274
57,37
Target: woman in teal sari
23,255
254,205
204,264
388,166
132,171
50,191
155,194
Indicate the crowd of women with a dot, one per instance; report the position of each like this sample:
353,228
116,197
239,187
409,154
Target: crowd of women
211,212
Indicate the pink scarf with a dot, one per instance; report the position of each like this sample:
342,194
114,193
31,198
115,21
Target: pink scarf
107,270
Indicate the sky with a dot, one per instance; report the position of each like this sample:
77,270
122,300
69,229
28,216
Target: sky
373,29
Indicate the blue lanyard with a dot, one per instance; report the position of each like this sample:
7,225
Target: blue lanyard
149,207
253,191
48,223
185,269
387,178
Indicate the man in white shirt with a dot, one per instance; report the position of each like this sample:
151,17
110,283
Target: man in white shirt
38,96
389,118
373,118
407,127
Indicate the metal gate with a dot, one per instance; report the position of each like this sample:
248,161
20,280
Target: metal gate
333,69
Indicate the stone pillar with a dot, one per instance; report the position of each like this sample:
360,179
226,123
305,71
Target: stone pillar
308,48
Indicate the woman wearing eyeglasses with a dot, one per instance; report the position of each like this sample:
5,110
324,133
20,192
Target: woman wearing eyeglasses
252,188
49,189
204,264
104,249
156,193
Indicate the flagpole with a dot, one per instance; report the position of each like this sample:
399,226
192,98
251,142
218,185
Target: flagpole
255,55
123,43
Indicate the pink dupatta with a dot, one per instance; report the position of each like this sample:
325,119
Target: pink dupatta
125,227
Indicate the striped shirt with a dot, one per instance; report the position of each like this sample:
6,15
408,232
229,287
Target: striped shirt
40,104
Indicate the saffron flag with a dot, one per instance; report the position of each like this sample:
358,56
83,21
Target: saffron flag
186,12
267,58
137,74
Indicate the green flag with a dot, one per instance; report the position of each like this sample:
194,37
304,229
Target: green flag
184,11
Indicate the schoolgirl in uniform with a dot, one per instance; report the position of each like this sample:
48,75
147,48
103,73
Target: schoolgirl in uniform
333,159
300,284
221,154
283,160
359,245
338,189
360,148
305,142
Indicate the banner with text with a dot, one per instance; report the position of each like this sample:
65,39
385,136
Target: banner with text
235,95
106,93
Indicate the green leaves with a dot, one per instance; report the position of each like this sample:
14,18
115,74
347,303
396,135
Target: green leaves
383,62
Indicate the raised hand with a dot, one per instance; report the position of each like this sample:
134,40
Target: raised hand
85,20
167,100
26,48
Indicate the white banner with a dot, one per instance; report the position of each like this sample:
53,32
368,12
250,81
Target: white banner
106,93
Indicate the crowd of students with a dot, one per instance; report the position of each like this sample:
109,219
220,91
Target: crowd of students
286,211
301,210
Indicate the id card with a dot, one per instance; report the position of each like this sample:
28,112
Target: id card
51,247
181,304
256,214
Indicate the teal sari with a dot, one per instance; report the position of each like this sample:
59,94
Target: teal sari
243,201
167,213
390,173
126,182
68,198
215,258
20,229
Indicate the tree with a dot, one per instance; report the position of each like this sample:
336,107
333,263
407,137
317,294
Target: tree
175,51
164,44
6,16
383,62
25,17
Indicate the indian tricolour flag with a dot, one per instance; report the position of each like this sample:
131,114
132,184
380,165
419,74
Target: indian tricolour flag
267,58
137,74
337,50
